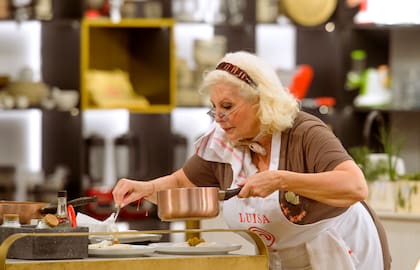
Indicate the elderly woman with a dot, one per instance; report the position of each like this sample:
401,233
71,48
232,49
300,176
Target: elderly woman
300,188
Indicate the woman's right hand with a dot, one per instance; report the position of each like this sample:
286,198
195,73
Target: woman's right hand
127,191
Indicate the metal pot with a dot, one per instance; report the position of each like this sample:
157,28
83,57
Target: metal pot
30,210
191,203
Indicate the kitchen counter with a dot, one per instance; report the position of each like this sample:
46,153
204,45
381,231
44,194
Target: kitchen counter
231,262
202,262
414,217
403,238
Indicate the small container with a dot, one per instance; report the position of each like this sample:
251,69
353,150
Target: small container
49,221
34,221
11,220
61,214
42,225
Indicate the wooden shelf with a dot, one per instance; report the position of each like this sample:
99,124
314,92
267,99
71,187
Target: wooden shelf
386,27
142,48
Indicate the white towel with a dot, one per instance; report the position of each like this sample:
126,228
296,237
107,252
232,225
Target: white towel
214,146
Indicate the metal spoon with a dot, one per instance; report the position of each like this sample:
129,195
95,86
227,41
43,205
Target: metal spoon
116,213
114,226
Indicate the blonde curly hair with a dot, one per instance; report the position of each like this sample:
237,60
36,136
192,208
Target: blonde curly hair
277,106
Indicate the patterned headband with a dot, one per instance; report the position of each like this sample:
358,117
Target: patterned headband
237,72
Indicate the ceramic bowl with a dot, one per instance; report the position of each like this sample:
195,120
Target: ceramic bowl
66,99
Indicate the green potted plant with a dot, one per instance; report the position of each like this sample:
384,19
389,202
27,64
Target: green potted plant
408,196
381,171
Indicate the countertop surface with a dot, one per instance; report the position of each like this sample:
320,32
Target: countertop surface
153,262
384,215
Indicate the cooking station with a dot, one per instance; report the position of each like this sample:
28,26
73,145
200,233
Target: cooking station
154,261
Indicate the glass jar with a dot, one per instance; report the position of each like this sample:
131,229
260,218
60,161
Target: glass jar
61,213
11,220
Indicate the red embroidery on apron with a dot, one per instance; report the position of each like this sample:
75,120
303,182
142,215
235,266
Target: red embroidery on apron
268,238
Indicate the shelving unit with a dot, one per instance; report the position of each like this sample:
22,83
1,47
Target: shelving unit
145,49
329,53
142,48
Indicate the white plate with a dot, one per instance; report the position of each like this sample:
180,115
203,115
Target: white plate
210,249
127,238
131,250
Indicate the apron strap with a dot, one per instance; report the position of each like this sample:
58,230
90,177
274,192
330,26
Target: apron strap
382,237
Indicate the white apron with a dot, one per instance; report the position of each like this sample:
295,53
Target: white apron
347,242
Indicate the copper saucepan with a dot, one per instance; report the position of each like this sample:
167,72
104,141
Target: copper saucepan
29,210
191,203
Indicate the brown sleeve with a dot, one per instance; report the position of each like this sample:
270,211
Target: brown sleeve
207,173
311,147
324,149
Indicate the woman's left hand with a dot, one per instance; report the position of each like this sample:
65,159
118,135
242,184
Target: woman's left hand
340,187
260,184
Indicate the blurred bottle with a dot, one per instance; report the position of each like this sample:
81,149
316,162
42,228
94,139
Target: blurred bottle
355,75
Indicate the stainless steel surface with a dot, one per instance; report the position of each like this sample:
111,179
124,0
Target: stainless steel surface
191,203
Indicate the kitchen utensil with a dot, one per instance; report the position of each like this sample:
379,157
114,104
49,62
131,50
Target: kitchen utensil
113,226
29,210
116,214
52,208
191,203
72,215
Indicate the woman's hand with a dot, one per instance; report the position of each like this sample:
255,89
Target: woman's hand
261,184
127,191
341,187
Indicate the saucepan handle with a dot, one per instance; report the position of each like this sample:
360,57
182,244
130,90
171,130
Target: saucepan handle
229,193
82,201
51,209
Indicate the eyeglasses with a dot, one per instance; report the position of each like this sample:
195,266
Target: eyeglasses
224,116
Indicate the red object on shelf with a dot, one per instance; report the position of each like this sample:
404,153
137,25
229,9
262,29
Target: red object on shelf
92,13
325,101
301,81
